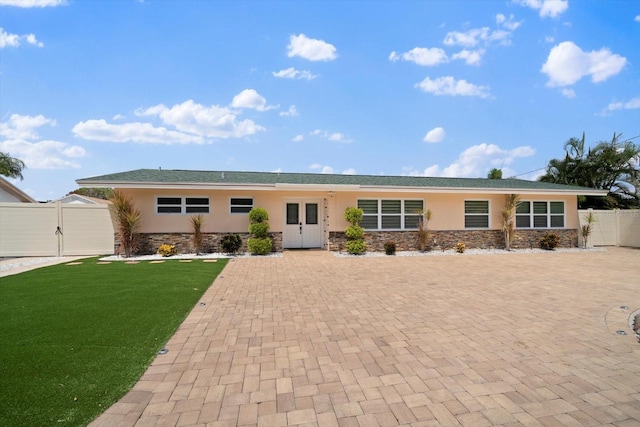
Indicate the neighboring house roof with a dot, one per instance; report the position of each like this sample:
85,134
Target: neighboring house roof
80,199
190,179
11,193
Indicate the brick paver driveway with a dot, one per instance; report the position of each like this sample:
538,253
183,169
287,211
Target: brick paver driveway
473,340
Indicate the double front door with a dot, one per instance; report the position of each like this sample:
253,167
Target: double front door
303,224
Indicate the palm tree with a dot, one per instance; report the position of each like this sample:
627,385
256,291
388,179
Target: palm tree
10,166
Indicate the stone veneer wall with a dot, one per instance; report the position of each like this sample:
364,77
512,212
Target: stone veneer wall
443,240
150,242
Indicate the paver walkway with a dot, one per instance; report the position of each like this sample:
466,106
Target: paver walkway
483,340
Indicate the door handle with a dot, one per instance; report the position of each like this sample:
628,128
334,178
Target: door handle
300,227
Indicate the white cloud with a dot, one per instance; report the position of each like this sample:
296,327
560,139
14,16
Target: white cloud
546,8
204,121
471,57
435,135
450,86
331,136
422,56
567,64
23,127
24,143
472,37
33,3
118,117
249,98
637,18
632,104
509,23
311,49
298,138
291,112
568,93
14,40
329,170
476,161
100,130
292,73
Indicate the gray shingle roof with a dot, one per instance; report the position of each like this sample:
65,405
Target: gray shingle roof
174,176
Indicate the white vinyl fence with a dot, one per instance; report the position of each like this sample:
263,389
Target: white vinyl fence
55,229
614,228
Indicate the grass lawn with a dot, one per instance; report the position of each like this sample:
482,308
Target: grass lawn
74,339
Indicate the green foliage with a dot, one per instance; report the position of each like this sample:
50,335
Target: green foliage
87,334
97,193
259,229
354,215
612,166
356,247
549,241
258,215
128,220
495,173
10,166
259,245
587,228
231,243
354,232
460,247
390,247
197,222
167,250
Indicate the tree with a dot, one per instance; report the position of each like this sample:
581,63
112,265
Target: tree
495,173
10,166
98,193
613,166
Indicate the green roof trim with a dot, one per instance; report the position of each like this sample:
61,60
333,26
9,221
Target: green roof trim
175,176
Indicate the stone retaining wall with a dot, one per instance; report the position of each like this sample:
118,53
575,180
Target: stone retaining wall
443,240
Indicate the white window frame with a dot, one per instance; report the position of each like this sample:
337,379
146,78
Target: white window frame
403,213
531,215
231,205
183,205
488,214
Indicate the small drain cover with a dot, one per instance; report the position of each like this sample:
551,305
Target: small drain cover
163,351
624,307
202,303
621,332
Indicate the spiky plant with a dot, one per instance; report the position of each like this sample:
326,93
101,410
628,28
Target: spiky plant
128,219
423,229
587,228
511,202
197,222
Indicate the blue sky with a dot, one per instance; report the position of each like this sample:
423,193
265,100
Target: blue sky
437,88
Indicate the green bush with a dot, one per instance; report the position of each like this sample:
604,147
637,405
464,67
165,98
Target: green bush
259,229
231,243
549,241
354,215
390,247
259,245
354,232
258,215
356,247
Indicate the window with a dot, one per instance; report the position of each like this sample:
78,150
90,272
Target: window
476,214
240,205
540,215
182,205
391,214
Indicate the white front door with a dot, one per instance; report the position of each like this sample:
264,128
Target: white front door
303,224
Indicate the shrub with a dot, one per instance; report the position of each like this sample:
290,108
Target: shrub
356,247
587,228
549,241
128,219
231,243
423,229
390,247
354,215
259,229
259,245
258,215
460,247
354,232
197,222
167,250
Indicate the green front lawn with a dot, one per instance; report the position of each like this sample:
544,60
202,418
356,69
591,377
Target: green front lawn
75,338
